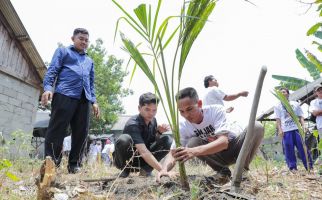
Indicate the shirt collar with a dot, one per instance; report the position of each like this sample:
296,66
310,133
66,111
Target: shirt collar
141,120
72,47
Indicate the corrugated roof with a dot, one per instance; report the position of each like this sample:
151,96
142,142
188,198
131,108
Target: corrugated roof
19,32
305,94
119,125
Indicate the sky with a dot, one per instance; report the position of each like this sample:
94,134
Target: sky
237,41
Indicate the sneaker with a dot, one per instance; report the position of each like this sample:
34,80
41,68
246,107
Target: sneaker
125,173
221,179
145,173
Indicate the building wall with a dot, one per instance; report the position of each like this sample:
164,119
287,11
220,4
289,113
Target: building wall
19,86
18,105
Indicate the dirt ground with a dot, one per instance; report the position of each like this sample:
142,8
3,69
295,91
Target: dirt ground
265,181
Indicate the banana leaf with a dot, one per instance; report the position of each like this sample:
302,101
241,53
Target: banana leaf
314,60
318,34
309,66
314,29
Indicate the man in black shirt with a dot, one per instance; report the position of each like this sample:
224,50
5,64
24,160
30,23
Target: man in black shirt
142,145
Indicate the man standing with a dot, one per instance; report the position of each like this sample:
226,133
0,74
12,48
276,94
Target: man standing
206,134
216,96
142,145
289,132
316,108
71,74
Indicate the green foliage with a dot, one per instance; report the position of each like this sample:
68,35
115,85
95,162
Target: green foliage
292,83
109,77
195,190
311,68
269,129
166,83
17,146
310,61
4,171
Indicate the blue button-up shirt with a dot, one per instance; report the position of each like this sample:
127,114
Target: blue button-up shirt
74,72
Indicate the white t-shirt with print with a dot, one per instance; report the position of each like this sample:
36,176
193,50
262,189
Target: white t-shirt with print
213,96
214,123
315,105
287,123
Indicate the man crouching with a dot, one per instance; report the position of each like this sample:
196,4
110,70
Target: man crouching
142,145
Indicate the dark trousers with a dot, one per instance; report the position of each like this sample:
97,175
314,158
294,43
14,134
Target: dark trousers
65,111
125,150
220,161
292,139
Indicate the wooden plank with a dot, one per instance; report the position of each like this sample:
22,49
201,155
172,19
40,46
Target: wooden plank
10,55
14,59
5,46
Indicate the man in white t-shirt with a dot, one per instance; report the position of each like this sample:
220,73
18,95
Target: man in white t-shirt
207,135
288,130
316,108
215,96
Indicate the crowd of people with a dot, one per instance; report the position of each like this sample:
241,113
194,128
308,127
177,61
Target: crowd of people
205,132
98,153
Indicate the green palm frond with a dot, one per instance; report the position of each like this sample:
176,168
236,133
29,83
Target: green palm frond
157,39
195,19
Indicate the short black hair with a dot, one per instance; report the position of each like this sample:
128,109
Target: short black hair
284,88
148,98
207,79
80,30
188,92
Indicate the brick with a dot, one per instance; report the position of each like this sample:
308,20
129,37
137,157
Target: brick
10,92
14,102
4,98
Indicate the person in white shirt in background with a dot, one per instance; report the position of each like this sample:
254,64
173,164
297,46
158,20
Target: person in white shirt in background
107,152
92,153
316,108
98,151
67,145
216,96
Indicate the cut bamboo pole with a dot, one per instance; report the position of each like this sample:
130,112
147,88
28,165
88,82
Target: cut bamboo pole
237,174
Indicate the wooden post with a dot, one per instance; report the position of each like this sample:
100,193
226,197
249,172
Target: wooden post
237,174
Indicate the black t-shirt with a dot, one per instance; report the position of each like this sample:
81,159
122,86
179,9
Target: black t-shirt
140,132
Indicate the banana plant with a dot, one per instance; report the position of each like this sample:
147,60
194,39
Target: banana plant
295,118
157,36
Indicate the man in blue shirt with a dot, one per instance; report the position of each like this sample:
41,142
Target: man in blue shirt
71,76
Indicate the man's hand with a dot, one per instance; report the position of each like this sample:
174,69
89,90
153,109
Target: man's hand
163,128
96,110
161,173
183,154
281,134
45,97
